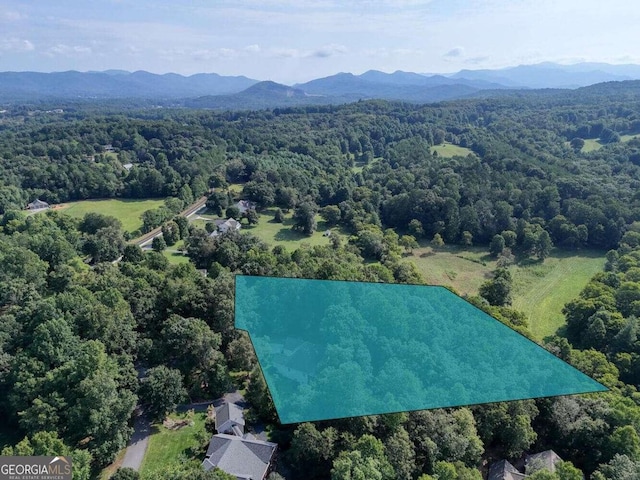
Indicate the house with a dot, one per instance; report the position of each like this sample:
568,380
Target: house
37,204
503,470
229,419
127,166
327,233
108,148
546,460
244,205
235,452
224,226
245,458
296,359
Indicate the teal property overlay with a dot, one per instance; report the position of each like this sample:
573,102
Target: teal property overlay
331,349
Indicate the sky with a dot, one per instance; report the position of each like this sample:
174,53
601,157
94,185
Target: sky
291,41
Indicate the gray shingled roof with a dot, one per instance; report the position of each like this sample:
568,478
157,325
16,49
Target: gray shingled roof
228,411
544,460
241,457
503,470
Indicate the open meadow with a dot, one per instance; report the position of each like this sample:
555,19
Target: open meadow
128,211
540,289
448,150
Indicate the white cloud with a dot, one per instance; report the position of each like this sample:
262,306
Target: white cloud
14,44
68,50
211,53
255,48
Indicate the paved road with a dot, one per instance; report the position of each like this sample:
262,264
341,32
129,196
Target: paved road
138,444
188,212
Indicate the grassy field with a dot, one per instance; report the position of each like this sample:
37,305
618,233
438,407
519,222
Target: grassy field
626,138
540,289
170,447
281,234
236,187
173,256
127,211
460,267
591,144
448,150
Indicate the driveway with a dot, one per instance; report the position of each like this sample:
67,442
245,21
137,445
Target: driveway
138,444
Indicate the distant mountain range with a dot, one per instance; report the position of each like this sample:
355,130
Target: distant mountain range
209,90
115,84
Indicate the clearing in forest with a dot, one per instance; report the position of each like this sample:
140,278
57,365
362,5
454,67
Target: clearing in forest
540,289
128,211
448,150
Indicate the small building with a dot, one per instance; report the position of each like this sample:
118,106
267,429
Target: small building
37,204
546,460
503,470
127,166
108,148
224,226
244,205
296,359
245,458
229,419
327,233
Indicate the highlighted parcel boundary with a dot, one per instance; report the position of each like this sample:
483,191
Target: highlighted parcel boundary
334,349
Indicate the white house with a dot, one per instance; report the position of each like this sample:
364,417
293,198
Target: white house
224,226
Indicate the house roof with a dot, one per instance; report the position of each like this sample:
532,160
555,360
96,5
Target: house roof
503,470
37,203
228,411
544,460
244,205
242,457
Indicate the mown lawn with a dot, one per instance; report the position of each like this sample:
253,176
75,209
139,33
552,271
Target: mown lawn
281,233
127,211
171,447
448,150
174,255
540,290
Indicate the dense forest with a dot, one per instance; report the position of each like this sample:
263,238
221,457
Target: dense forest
76,329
